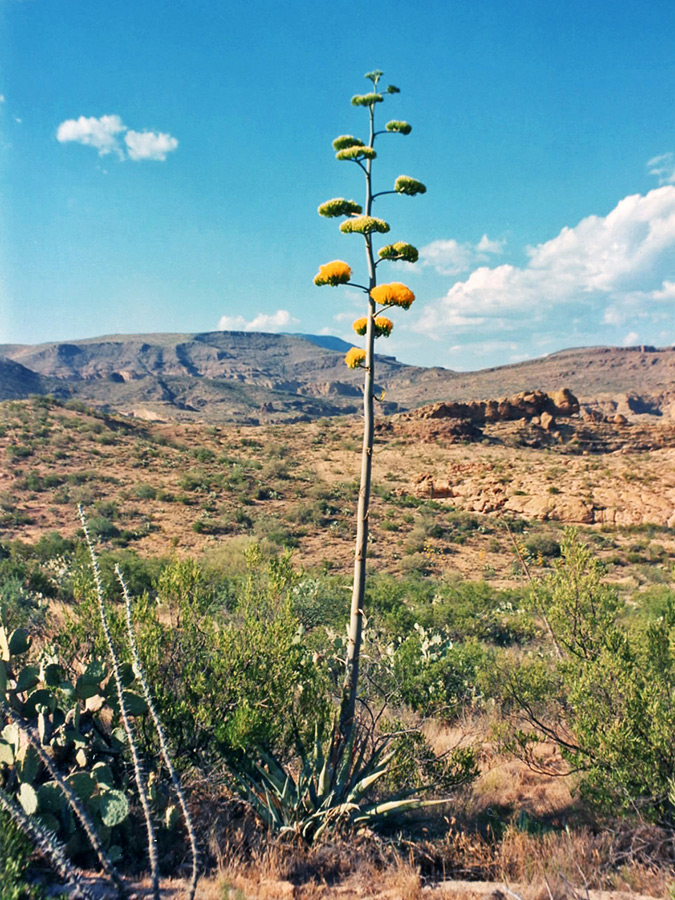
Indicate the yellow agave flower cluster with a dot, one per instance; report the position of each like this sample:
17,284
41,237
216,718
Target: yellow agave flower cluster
355,358
333,273
364,225
393,294
382,325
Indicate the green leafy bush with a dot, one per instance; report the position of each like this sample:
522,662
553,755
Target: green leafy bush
605,692
230,675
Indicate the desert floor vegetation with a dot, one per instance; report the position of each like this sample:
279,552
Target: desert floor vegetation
520,671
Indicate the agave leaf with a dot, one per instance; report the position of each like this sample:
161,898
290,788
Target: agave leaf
325,777
362,786
274,769
392,807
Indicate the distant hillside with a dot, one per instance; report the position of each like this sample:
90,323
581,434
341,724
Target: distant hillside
251,377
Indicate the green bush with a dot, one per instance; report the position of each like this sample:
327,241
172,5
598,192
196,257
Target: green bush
229,673
606,690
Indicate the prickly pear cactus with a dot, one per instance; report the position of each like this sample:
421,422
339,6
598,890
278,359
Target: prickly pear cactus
75,723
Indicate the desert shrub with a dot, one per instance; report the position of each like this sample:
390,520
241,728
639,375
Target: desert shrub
144,491
462,609
18,451
200,480
229,676
415,563
204,455
102,528
38,483
414,762
542,544
606,691
20,607
271,528
435,677
654,602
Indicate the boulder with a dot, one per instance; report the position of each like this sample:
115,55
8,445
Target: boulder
564,403
547,421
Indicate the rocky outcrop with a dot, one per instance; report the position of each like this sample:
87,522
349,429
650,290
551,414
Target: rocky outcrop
633,489
526,405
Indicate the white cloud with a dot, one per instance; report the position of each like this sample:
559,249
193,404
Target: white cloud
277,321
105,135
92,132
449,257
631,339
663,167
618,265
149,144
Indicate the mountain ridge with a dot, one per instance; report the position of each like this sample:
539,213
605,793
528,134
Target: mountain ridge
256,377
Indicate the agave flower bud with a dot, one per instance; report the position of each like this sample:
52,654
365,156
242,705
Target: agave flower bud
410,186
355,153
392,89
346,140
333,273
400,127
394,294
355,358
366,99
400,250
364,225
374,76
338,206
383,326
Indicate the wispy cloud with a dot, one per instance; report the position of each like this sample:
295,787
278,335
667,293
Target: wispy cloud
663,167
109,134
616,266
449,257
277,321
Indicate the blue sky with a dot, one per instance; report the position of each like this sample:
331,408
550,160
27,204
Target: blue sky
161,165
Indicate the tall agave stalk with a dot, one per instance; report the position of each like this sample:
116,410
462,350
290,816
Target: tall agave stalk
380,299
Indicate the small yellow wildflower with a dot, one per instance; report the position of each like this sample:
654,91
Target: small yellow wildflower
355,358
333,273
383,326
361,325
394,294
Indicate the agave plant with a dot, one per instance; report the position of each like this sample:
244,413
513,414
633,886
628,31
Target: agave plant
327,790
